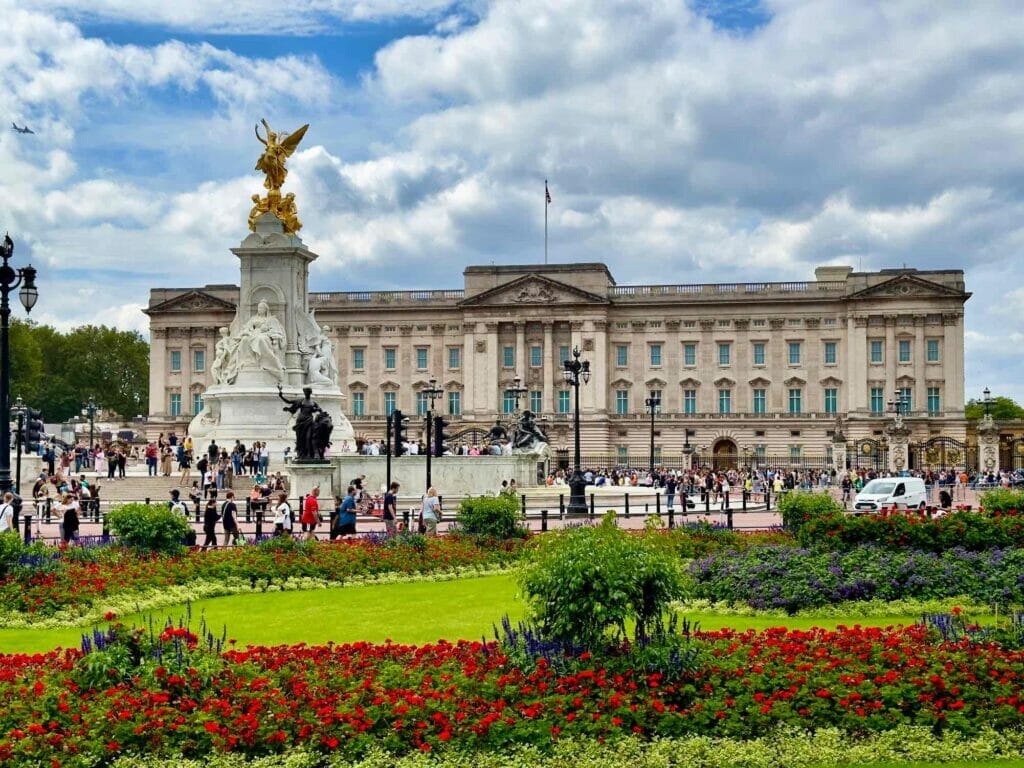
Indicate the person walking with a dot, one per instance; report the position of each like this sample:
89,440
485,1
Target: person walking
345,514
210,518
71,521
391,509
311,514
282,516
229,519
7,514
430,512
670,492
186,467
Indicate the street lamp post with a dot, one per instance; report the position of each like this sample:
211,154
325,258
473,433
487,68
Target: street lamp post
18,411
90,411
899,405
653,404
10,278
517,392
987,400
432,393
576,372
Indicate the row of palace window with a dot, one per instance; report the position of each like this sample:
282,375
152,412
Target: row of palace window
830,350
174,406
760,453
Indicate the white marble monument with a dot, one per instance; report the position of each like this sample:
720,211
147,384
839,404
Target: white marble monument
273,340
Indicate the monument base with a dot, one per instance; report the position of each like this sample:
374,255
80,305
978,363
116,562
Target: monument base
307,475
256,413
451,475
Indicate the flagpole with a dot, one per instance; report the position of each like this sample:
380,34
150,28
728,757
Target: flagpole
547,201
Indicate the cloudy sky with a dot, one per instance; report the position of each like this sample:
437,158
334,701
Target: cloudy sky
684,141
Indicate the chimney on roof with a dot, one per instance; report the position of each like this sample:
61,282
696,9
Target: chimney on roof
829,274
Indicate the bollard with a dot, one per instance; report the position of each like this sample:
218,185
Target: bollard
561,506
248,509
672,517
28,529
523,504
147,501
591,506
657,504
626,507
106,531
47,512
707,502
728,517
406,519
259,524
744,499
543,521
767,498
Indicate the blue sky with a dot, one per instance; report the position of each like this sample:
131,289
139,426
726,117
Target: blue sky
702,141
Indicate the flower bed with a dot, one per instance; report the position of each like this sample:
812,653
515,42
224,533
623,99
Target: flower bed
794,579
72,582
169,691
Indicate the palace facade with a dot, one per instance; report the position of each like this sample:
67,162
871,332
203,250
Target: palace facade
739,368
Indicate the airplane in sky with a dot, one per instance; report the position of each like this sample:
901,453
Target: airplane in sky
26,129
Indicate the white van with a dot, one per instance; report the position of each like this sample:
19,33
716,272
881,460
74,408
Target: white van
888,492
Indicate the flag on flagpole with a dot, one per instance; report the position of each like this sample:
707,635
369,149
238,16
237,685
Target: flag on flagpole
547,195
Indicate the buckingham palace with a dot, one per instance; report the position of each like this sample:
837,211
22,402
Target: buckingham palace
739,368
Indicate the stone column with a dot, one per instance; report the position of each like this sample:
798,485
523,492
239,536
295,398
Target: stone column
672,397
468,362
157,372
920,387
988,444
406,371
491,376
186,372
778,361
600,380
521,362
373,364
707,364
548,404
857,363
890,357
953,362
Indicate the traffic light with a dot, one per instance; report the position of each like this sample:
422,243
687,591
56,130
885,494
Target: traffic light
440,437
398,427
33,430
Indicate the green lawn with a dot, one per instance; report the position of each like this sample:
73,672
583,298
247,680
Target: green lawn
415,612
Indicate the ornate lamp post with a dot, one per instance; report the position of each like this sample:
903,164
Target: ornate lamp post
986,400
576,372
653,404
431,393
10,278
517,392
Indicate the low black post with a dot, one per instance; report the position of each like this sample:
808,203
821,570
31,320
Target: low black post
106,531
248,509
561,506
259,524
543,521
47,512
147,501
707,502
28,529
672,517
406,519
523,504
744,499
657,504
767,498
591,505
626,507
728,517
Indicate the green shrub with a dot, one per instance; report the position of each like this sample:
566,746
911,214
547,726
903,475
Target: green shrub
799,509
11,550
1002,500
582,582
148,527
496,516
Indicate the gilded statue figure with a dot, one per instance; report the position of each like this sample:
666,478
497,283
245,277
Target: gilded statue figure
275,154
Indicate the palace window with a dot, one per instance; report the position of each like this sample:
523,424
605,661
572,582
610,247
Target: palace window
904,350
831,353
723,353
725,401
175,361
422,404
536,401
563,401
508,357
454,358
877,350
358,403
794,353
934,401
760,401
622,355
198,361
389,403
197,402
508,403
759,353
421,358
390,357
689,401
175,404
655,355
907,396
795,398
831,400
689,354
564,353
358,359
622,401
933,351
536,357
877,400
455,403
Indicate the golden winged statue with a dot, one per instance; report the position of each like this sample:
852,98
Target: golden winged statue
277,149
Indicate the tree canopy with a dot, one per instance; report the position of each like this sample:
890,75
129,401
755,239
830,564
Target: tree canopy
1001,408
57,372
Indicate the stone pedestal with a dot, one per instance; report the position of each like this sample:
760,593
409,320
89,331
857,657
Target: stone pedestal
307,476
898,435
988,444
839,456
451,475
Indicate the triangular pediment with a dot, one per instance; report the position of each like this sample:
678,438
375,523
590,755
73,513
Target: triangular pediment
533,289
191,301
908,286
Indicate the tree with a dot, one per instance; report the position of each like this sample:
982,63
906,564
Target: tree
1001,408
58,372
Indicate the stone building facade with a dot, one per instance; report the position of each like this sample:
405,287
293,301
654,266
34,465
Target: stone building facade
740,368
